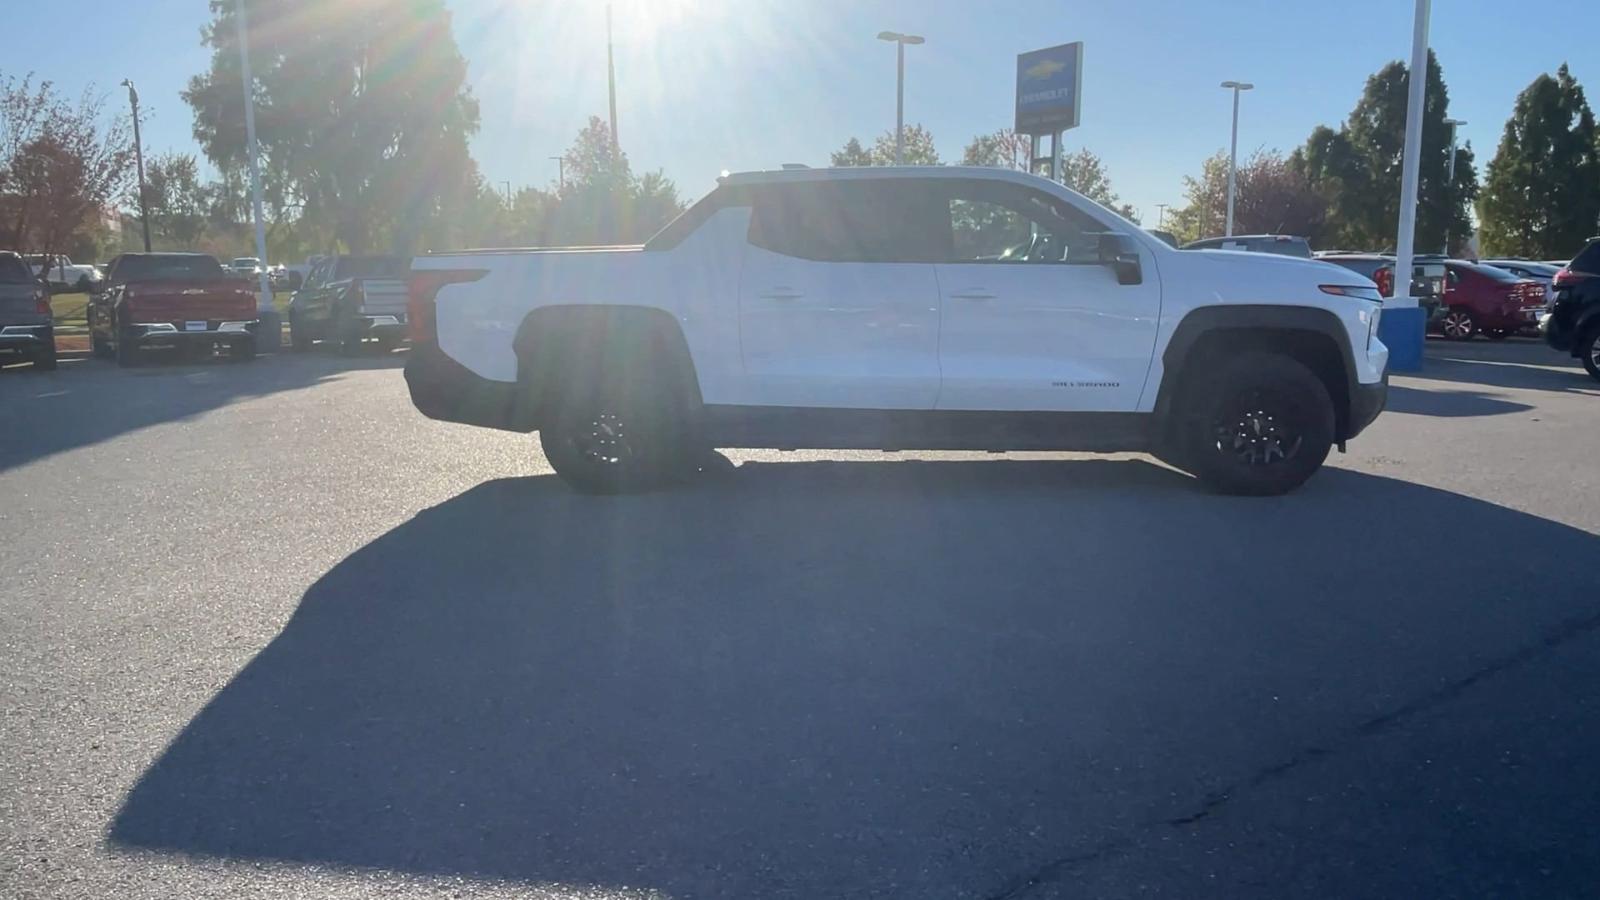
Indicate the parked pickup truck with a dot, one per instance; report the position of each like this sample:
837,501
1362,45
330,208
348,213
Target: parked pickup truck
61,274
349,299
171,301
900,308
26,328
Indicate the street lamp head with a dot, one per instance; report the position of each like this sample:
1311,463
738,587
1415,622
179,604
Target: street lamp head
1238,85
1455,122
897,37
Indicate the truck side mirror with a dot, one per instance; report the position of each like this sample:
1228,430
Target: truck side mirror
1121,253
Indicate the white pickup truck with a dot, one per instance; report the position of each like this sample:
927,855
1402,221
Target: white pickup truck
900,308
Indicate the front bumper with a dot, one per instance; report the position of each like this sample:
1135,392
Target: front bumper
444,389
1366,401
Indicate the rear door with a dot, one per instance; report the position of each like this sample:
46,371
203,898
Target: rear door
838,305
1032,320
313,303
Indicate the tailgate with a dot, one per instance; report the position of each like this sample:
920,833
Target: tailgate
230,300
19,304
383,297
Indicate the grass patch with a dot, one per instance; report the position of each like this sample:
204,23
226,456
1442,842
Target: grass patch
70,309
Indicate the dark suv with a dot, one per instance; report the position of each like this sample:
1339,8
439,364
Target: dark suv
25,321
1573,325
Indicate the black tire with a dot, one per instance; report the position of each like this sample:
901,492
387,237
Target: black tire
1458,325
387,344
127,351
242,351
1258,424
1496,334
610,434
99,347
1589,353
46,360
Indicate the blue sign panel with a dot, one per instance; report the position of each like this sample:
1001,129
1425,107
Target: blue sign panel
1049,89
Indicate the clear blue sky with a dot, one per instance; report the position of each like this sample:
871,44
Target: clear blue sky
706,85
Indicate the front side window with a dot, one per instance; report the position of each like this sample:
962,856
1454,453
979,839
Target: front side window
995,222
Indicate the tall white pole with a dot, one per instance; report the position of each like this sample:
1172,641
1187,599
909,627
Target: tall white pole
900,104
1410,164
264,285
1233,160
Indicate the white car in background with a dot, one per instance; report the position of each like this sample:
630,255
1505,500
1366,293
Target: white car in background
63,274
247,266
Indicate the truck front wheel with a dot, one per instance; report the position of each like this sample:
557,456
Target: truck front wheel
1258,424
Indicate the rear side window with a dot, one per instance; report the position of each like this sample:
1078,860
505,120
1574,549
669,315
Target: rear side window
690,220
1494,274
891,220
14,271
1296,247
1587,260
162,268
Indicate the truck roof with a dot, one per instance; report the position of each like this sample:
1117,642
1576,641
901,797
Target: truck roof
848,173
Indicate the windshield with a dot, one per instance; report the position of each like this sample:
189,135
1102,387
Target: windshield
247,262
370,267
176,267
1494,274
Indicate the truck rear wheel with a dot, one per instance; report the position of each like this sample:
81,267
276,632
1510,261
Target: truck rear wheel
1257,425
627,424
1589,352
617,437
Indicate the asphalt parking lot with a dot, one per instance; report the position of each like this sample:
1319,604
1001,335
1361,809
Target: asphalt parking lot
268,632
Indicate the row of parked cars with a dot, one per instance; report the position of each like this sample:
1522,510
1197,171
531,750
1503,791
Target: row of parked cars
1494,298
191,302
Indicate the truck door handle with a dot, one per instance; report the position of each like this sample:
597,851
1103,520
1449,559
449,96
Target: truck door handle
973,294
781,293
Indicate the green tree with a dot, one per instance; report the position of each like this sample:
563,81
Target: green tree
1271,196
1541,197
1084,172
1357,168
177,199
919,150
362,108
603,202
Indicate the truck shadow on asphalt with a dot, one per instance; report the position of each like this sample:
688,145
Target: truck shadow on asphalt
918,679
88,400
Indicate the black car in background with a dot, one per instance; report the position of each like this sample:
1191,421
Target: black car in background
26,328
1573,325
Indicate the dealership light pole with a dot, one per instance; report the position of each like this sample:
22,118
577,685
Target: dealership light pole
1161,213
1450,176
561,171
900,41
1453,123
611,86
1410,162
268,331
138,159
1233,154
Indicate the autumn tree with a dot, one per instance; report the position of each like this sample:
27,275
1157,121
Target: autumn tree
1081,170
1541,198
603,202
1271,196
1003,149
61,165
178,200
1357,167
362,110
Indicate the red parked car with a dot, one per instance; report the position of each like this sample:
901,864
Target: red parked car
171,301
1483,299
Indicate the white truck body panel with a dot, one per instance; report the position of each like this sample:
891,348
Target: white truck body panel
765,329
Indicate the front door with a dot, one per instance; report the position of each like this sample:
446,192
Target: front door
1032,320
838,305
